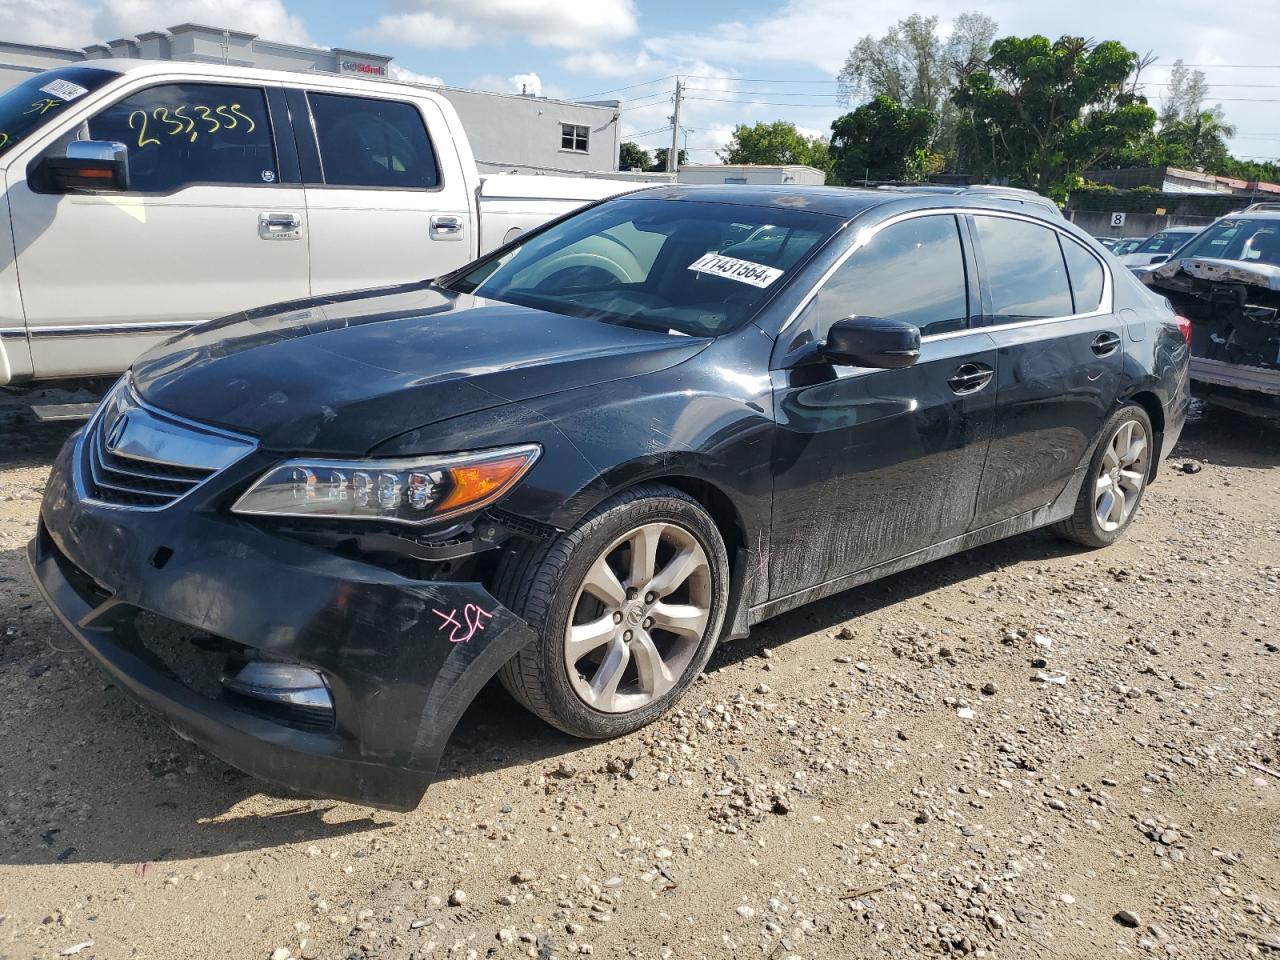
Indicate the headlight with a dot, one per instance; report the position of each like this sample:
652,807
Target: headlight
398,491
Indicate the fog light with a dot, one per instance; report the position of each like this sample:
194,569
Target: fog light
286,684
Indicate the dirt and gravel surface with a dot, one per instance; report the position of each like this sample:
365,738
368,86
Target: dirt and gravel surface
1026,750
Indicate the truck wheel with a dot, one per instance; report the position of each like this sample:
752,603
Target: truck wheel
627,607
1116,480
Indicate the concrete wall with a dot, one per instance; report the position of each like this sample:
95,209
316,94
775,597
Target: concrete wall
1098,224
18,61
523,133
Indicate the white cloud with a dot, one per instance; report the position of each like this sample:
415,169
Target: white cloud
397,72
57,23
570,24
600,63
267,18
529,83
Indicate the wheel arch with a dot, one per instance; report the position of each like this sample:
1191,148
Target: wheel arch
1150,403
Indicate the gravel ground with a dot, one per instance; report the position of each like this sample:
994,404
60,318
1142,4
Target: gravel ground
1026,749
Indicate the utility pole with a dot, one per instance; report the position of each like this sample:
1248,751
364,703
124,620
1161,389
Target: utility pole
673,155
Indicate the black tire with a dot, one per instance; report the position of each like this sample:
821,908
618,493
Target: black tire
1083,526
540,585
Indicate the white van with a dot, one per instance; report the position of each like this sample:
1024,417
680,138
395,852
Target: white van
142,197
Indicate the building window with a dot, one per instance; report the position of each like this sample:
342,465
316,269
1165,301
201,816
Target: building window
573,136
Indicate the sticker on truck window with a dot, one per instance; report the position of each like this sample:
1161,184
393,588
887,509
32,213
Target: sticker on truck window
744,271
63,89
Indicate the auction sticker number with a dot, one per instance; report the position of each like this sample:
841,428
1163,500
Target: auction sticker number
744,271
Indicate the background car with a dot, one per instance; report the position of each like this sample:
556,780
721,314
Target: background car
1158,247
1126,245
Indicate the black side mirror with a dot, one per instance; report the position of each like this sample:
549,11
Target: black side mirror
97,165
872,342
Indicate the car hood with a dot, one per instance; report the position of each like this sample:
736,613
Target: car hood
341,374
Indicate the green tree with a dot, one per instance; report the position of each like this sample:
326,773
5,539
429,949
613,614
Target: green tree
1040,113
660,159
632,156
1187,93
915,66
774,143
881,140
1197,142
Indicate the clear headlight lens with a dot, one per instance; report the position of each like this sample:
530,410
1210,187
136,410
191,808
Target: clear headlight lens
399,491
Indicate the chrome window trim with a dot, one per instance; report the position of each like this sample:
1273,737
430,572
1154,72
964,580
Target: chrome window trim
867,233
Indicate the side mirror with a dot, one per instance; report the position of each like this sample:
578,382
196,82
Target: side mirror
872,342
1159,258
98,165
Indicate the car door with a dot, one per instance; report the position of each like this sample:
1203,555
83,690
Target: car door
871,465
386,205
213,222
1047,307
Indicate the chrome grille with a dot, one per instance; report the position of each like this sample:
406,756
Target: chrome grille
139,457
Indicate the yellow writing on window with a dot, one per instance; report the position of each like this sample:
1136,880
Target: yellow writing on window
41,107
175,122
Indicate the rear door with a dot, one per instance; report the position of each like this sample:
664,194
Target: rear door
387,198
1047,306
871,465
214,222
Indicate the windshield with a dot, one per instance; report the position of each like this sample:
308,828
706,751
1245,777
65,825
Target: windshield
36,101
1165,242
684,266
1255,241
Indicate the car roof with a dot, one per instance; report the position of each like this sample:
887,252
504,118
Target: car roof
844,202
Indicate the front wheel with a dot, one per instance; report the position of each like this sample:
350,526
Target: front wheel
1116,480
627,607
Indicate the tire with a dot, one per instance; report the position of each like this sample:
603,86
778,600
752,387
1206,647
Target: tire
1113,465
548,588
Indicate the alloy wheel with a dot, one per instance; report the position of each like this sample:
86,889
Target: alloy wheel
1121,476
638,618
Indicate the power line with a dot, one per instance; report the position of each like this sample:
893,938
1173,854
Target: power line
634,86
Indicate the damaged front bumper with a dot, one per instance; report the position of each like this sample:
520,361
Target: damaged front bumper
217,624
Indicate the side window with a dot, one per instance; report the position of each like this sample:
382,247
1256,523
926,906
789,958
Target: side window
186,133
1024,269
1085,273
373,143
912,271
575,137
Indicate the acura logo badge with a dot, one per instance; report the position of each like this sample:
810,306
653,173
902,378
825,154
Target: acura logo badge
117,432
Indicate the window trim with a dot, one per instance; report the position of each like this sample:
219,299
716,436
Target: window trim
586,139
274,124
307,91
866,233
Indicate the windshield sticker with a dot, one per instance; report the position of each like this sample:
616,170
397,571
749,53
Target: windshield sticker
744,271
63,89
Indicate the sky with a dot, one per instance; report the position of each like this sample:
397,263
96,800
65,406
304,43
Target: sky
744,61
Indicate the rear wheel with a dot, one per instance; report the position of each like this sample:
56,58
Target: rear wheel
1116,480
627,606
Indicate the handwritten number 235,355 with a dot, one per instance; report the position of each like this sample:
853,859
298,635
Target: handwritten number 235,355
179,123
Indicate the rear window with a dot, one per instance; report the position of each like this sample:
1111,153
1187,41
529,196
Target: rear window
1085,273
373,143
682,266
1024,270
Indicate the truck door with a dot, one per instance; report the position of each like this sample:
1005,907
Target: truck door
386,204
214,222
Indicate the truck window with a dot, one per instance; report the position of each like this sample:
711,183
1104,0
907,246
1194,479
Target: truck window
373,143
180,134
42,98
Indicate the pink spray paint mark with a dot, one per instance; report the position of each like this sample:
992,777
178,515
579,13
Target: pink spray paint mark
462,631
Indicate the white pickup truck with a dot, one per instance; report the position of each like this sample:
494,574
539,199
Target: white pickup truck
142,197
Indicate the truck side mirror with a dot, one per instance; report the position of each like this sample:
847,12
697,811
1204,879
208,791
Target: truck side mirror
96,165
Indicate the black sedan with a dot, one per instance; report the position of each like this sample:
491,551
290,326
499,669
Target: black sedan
310,533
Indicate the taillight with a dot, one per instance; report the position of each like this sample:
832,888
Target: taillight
1184,325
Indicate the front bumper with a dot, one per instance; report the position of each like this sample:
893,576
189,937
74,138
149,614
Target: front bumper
402,658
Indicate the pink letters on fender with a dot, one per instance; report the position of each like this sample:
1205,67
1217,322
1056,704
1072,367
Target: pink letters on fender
472,622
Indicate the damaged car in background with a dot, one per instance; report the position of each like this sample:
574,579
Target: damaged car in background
308,534
1227,282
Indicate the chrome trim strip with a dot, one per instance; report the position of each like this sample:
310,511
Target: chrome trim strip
864,236
13,333
111,329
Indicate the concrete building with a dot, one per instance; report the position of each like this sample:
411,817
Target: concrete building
750,173
1176,180
508,132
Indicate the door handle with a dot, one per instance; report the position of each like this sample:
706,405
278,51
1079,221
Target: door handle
970,378
446,227
1105,344
279,226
